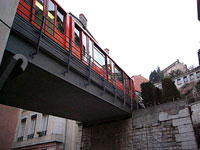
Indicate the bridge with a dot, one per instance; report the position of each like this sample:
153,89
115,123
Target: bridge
38,74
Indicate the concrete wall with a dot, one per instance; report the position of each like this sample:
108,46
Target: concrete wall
164,127
9,117
7,13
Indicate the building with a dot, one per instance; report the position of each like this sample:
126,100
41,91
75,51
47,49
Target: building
9,118
139,79
177,65
190,76
44,132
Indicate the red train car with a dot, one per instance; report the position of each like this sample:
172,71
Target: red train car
65,29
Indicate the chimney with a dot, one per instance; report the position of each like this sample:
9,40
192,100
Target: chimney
199,56
83,19
106,50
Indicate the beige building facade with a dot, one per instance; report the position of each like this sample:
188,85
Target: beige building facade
37,131
177,65
189,77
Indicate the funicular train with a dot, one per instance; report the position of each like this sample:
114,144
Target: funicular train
65,29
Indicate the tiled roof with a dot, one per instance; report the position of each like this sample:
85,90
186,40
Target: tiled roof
139,79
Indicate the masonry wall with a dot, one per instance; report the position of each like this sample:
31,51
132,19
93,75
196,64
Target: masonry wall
164,127
195,110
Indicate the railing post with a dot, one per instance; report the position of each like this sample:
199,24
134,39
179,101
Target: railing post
124,94
40,35
69,58
131,101
70,54
89,69
115,87
31,11
89,72
104,81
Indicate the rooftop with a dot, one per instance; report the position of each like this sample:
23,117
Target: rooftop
139,79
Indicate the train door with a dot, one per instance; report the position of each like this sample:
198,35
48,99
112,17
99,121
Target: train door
24,8
76,39
126,83
60,32
99,61
50,19
90,51
38,12
118,77
56,24
109,70
84,48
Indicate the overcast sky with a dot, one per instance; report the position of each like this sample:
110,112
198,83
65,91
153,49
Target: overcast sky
142,34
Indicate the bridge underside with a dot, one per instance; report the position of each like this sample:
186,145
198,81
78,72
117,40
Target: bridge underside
43,87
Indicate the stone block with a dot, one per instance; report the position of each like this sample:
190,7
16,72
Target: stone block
189,145
163,116
184,112
185,137
173,117
181,121
185,128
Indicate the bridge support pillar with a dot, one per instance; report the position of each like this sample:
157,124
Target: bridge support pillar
7,13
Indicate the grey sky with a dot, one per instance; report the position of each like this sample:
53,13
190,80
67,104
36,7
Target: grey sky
142,34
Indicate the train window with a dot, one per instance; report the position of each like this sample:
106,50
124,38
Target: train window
109,68
60,20
77,36
126,82
118,74
84,50
51,16
39,11
90,47
28,2
99,57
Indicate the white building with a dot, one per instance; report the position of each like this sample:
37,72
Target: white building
191,76
41,131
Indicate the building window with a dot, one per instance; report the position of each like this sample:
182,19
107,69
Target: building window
51,17
185,79
179,82
21,130
44,124
99,57
39,11
60,20
198,74
77,36
32,127
191,76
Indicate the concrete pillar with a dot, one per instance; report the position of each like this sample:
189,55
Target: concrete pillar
7,14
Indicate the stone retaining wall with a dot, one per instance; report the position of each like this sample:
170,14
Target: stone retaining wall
164,127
